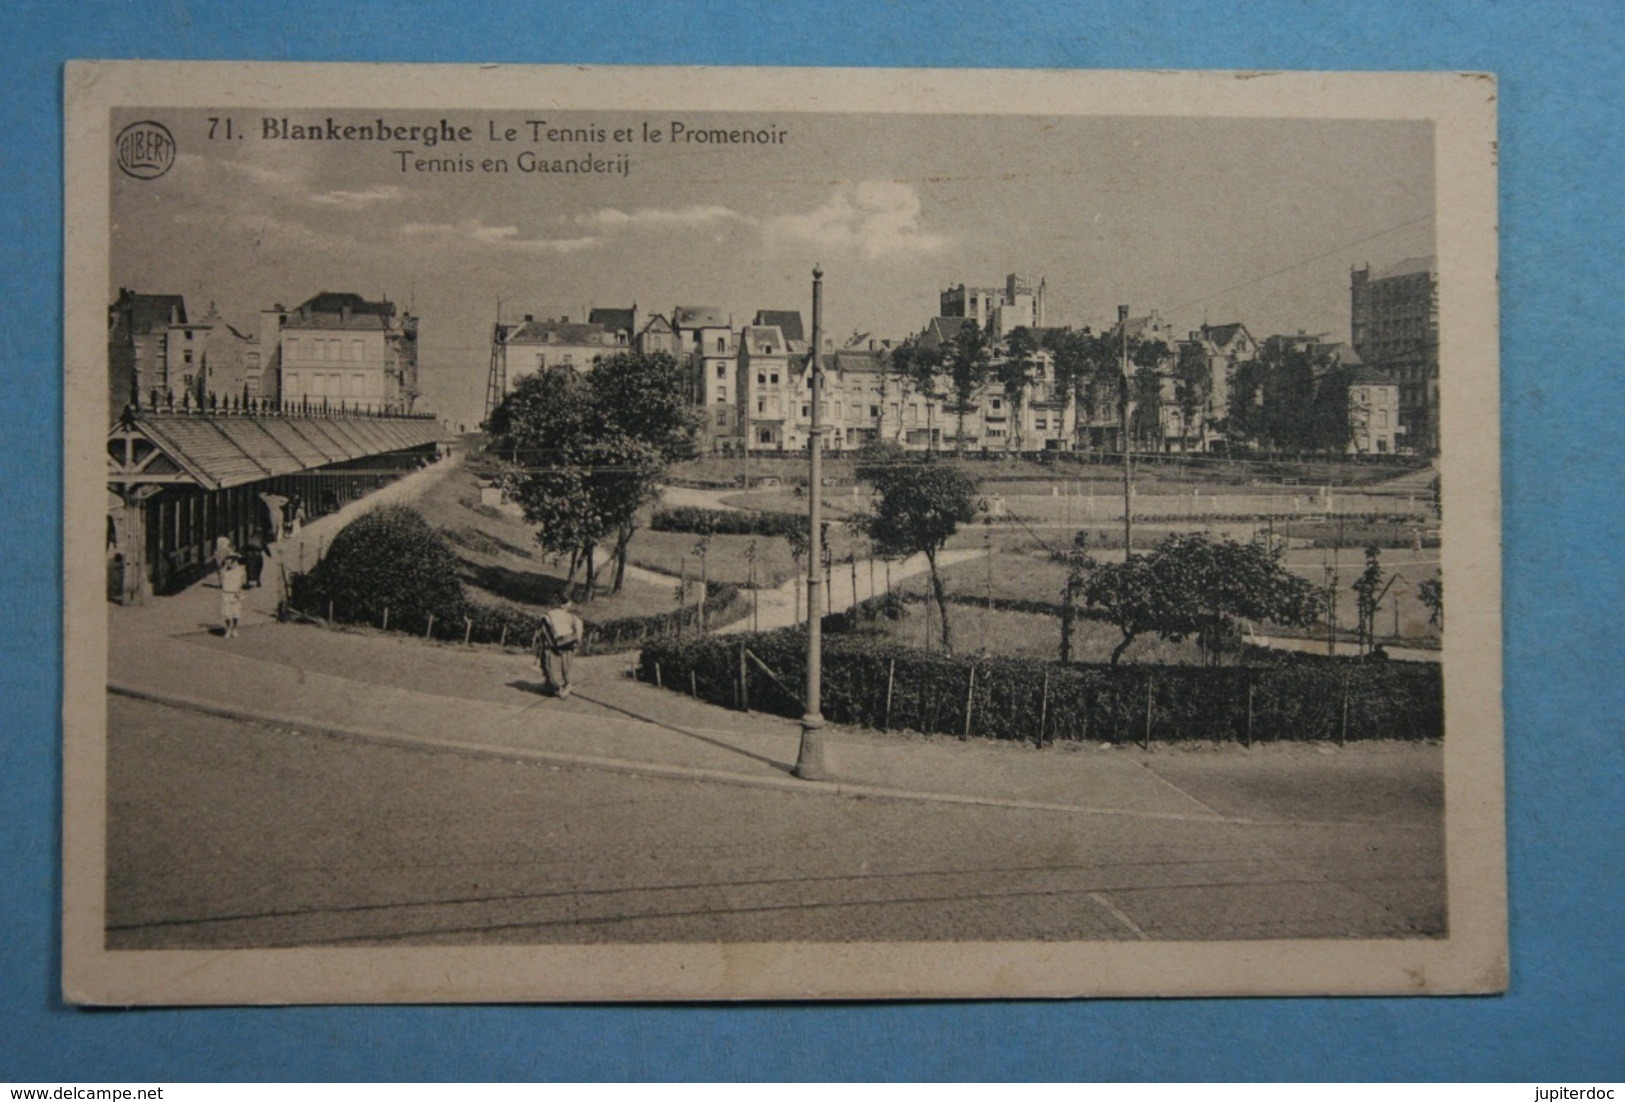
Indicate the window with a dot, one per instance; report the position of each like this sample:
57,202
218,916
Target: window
722,344
775,378
356,352
806,410
761,405
722,394
761,378
722,417
186,357
894,411
764,436
290,382
1041,424
722,370
1382,418
998,404
357,384
874,412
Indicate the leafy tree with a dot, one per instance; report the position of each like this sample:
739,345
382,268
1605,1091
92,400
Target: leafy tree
1193,386
1431,594
918,507
589,452
1193,586
1147,406
1014,371
968,359
919,366
1368,591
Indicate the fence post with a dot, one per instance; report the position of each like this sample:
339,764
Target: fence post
1150,683
891,674
330,615
429,631
1249,714
386,618
658,683
970,695
504,641
693,684
468,630
1343,731
744,681
1043,709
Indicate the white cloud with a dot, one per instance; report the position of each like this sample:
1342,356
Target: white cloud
473,231
355,200
690,217
876,217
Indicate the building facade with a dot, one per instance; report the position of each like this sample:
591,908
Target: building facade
1394,326
339,350
1374,413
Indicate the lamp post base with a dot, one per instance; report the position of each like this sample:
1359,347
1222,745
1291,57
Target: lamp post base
811,764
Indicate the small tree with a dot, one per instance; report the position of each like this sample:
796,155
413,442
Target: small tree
918,507
1368,591
1193,386
967,363
1197,587
1431,594
919,366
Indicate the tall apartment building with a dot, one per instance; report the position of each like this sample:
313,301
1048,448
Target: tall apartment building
706,340
1020,302
1394,326
1374,421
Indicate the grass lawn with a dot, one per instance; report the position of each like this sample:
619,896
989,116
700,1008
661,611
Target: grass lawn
726,557
503,564
1030,635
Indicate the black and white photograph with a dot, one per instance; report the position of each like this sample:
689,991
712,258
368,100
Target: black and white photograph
595,534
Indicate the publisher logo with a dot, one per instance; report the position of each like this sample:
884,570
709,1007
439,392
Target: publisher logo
145,150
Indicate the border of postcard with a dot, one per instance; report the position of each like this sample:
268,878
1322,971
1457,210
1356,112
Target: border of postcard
1471,959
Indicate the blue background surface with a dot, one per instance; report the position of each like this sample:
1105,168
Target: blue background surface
1561,165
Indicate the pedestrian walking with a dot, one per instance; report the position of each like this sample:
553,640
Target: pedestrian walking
233,577
222,551
556,643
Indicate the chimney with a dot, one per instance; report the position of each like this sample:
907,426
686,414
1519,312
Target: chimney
344,313
174,313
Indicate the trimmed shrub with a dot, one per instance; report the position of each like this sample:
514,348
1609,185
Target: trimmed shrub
387,558
1029,700
726,522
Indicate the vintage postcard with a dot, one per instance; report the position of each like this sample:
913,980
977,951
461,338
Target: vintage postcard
580,534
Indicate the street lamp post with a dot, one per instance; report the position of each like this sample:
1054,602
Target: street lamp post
810,764
1128,446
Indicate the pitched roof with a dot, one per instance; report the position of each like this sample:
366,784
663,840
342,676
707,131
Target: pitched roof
1371,376
553,331
335,302
1222,335
222,450
1414,265
788,321
612,318
698,317
151,313
763,339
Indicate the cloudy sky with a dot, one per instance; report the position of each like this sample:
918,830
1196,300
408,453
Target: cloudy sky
1251,220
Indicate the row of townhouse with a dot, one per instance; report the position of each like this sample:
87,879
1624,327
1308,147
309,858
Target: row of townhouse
335,349
753,384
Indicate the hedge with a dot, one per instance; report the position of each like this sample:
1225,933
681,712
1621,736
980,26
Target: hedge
1035,701
470,621
726,522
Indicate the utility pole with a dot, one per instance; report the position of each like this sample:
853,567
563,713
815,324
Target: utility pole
810,765
1128,445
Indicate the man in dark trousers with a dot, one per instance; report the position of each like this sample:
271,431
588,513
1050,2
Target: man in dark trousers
556,644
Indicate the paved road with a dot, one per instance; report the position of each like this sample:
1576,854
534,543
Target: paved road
224,833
